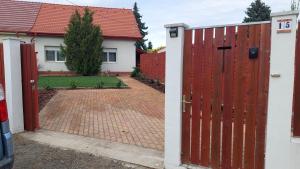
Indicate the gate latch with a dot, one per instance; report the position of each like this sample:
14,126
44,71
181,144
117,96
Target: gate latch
32,82
184,102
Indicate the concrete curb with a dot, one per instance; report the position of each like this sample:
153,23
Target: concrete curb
123,152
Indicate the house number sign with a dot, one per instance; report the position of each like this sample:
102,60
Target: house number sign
284,25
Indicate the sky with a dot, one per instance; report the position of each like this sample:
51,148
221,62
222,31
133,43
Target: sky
157,13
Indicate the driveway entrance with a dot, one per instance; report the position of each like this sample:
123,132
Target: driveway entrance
131,116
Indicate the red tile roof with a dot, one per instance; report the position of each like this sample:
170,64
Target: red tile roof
53,19
17,16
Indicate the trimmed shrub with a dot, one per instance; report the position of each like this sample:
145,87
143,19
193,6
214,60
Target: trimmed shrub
119,84
99,85
73,85
136,71
47,87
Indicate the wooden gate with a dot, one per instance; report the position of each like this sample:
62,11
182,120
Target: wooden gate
225,96
296,107
30,88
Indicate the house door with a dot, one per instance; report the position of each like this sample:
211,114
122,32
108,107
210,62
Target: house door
225,90
30,87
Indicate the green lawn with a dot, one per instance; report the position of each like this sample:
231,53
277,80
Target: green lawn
79,81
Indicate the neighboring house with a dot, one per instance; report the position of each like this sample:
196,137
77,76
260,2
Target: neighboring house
45,24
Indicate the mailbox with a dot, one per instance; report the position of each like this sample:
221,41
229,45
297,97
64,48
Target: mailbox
173,32
253,53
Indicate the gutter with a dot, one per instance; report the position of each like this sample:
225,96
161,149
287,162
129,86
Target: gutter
35,34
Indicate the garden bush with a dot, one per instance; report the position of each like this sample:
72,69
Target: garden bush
99,85
119,84
73,85
136,72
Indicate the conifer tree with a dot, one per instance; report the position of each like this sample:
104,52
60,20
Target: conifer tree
150,46
140,44
83,44
295,5
257,11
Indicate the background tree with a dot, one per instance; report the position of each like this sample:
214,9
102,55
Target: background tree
150,46
83,44
140,44
257,11
294,5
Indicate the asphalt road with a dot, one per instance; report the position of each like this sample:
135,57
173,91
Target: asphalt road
32,155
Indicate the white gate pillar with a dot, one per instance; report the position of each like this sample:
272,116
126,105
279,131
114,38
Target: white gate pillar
173,94
281,152
13,83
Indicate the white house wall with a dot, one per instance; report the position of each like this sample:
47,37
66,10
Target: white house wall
26,39
126,53
43,65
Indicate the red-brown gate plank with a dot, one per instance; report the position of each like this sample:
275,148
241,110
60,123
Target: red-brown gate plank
251,105
2,75
216,104
242,54
27,94
197,91
206,114
35,94
296,121
30,92
228,98
187,73
263,86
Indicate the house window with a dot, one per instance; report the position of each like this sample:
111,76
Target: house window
109,55
53,54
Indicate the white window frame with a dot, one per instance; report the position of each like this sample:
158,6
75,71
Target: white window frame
110,50
56,49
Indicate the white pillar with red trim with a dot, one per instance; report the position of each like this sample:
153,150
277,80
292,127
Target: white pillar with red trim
282,151
13,83
173,95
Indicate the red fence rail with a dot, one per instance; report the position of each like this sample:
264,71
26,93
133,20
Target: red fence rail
153,65
296,118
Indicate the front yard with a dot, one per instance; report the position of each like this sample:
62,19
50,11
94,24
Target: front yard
46,82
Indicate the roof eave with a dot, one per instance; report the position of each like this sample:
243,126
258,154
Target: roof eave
105,36
13,32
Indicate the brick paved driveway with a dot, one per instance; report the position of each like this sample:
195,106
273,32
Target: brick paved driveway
131,116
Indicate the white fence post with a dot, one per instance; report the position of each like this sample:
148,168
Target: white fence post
280,151
13,83
173,119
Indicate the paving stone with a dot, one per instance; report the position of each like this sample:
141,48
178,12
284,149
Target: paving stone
131,116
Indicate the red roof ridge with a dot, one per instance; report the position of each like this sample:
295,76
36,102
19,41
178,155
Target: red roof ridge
36,17
53,19
82,6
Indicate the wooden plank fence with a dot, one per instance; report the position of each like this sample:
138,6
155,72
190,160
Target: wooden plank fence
152,65
225,96
296,117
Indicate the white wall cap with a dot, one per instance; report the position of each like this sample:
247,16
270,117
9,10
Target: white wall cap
285,13
12,38
176,25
